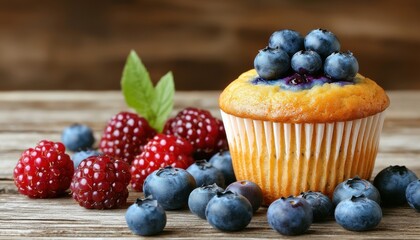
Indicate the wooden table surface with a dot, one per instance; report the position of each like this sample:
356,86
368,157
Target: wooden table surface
28,117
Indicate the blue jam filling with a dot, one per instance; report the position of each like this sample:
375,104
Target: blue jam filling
297,82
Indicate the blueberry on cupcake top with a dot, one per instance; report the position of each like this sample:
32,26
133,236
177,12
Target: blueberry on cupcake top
303,79
295,63
287,40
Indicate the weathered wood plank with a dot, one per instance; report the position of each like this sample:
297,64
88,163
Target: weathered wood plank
62,217
27,117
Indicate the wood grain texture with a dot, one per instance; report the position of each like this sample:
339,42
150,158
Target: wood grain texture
83,45
28,117
63,218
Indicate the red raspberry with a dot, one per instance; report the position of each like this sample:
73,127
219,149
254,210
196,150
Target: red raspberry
162,150
44,171
101,182
125,135
205,132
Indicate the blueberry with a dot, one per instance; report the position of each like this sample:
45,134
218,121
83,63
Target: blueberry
290,216
358,214
248,189
355,187
306,62
298,82
170,186
287,40
77,137
200,197
322,41
146,217
412,193
82,155
341,66
205,174
223,162
228,211
321,205
271,63
392,183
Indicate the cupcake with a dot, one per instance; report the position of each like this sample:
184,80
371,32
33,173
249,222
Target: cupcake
304,118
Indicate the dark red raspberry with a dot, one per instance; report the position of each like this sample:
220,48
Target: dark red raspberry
205,132
125,135
163,150
101,182
44,171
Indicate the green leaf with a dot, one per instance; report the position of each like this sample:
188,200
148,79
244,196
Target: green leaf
137,87
154,104
163,102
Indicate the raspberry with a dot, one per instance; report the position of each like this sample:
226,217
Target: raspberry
44,171
205,132
101,182
163,150
125,135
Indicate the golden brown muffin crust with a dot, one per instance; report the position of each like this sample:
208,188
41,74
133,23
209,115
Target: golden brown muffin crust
326,103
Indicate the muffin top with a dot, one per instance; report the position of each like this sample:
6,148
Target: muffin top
303,80
249,96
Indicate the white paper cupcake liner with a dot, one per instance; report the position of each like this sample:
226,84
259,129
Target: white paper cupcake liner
287,159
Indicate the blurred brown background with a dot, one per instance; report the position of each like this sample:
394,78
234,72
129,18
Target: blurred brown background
83,44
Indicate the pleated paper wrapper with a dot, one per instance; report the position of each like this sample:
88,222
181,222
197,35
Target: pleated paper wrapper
287,158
